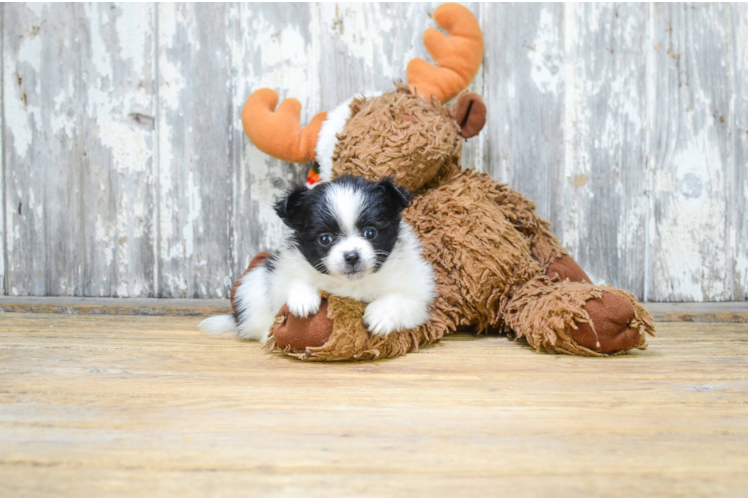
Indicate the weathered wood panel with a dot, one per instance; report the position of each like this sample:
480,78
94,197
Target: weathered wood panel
4,255
127,173
524,93
603,189
691,151
116,133
78,112
739,180
42,158
196,111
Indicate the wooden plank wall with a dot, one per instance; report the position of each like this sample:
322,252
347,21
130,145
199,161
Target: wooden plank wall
126,172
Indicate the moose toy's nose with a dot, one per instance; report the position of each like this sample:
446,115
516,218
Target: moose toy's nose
351,258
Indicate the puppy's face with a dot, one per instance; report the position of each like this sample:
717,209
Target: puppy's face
346,227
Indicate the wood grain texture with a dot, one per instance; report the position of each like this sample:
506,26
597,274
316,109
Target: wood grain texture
4,255
700,312
524,92
692,151
79,116
117,137
196,111
603,199
41,154
126,172
97,406
739,177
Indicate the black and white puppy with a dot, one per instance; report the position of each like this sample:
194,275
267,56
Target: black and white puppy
347,238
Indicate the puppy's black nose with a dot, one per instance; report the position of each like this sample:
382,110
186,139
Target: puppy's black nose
351,258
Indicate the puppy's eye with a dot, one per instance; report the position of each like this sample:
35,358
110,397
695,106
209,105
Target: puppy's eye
325,239
370,233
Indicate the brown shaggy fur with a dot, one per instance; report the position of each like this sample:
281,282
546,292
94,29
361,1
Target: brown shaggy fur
379,142
489,249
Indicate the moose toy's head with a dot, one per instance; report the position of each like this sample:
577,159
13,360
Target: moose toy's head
407,134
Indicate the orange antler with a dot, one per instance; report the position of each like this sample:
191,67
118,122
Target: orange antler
458,56
278,132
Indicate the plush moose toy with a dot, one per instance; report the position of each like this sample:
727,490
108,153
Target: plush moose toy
497,266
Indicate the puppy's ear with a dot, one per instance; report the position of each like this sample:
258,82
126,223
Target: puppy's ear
399,196
287,207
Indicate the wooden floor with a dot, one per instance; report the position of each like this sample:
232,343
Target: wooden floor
132,406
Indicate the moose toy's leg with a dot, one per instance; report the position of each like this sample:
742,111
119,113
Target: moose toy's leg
578,318
565,268
299,333
610,314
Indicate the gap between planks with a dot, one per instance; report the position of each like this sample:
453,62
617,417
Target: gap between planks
706,312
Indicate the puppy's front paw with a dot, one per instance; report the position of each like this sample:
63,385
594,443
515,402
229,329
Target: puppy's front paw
303,302
391,314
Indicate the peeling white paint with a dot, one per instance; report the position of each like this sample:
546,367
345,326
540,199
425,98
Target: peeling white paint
132,44
547,63
574,162
740,207
18,114
3,249
103,232
30,52
692,227
86,158
194,202
130,152
364,36
172,84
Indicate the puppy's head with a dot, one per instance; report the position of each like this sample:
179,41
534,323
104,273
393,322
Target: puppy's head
347,227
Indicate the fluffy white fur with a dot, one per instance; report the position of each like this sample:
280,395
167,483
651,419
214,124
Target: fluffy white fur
215,325
398,294
328,134
252,301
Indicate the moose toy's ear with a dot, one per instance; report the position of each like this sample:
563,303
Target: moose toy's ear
470,114
278,132
399,195
287,208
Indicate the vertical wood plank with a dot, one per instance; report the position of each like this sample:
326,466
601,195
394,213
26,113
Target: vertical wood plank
41,87
524,82
116,123
276,46
739,181
196,115
77,154
4,255
691,151
604,195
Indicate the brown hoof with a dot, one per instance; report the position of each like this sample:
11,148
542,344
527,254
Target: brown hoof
610,315
300,333
566,267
